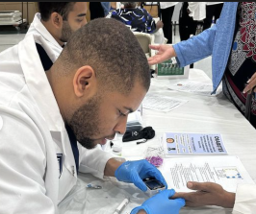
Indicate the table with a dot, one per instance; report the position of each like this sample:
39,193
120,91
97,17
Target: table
201,114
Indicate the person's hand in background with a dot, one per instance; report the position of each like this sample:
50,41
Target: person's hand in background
136,171
159,25
161,203
163,53
251,83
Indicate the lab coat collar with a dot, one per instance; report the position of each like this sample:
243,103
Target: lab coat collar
37,81
41,30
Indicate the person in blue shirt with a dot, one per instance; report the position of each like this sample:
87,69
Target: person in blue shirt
232,44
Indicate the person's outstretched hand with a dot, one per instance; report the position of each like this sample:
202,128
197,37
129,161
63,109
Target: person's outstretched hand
164,52
207,193
136,171
161,204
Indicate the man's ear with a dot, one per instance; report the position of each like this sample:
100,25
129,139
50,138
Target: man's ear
84,81
56,20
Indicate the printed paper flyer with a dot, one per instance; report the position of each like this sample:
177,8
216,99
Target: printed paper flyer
190,143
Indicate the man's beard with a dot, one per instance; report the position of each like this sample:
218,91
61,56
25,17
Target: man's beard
85,122
66,32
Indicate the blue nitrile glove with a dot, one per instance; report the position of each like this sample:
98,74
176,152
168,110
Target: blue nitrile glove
161,203
136,171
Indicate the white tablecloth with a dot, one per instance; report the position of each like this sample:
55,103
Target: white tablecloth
201,114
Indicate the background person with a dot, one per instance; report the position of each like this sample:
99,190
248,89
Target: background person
166,9
137,18
55,23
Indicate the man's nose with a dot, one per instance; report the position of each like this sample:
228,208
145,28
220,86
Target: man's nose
121,126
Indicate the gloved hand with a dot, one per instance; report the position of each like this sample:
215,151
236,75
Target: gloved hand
136,171
161,203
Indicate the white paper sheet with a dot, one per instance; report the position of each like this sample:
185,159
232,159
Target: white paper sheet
200,88
227,171
161,103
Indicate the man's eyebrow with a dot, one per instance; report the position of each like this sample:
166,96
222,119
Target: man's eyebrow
129,109
81,14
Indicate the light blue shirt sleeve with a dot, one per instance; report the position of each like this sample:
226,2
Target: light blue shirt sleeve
195,48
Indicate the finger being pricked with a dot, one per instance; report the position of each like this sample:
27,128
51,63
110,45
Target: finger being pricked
192,199
206,193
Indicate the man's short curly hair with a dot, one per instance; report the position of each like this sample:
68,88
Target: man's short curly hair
112,50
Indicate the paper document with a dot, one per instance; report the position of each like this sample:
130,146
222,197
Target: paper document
161,103
200,88
190,143
227,171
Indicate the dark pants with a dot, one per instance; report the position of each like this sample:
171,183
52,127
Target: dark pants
212,10
96,10
167,20
187,25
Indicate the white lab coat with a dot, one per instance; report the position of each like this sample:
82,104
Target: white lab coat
37,28
245,199
32,133
197,10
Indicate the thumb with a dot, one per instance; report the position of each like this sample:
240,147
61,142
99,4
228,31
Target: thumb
200,186
170,192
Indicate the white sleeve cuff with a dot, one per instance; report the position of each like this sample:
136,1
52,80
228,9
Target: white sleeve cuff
245,199
94,161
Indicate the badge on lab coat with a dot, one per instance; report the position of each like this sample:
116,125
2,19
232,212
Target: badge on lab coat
59,157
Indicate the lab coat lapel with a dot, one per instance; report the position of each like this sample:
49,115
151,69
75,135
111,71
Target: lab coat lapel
37,28
40,89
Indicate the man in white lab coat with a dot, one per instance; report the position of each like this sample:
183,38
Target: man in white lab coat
56,21
84,97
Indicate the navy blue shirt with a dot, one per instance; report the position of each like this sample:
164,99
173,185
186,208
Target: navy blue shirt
47,64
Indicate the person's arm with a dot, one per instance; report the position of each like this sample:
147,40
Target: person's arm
159,25
195,48
111,166
207,193
188,51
